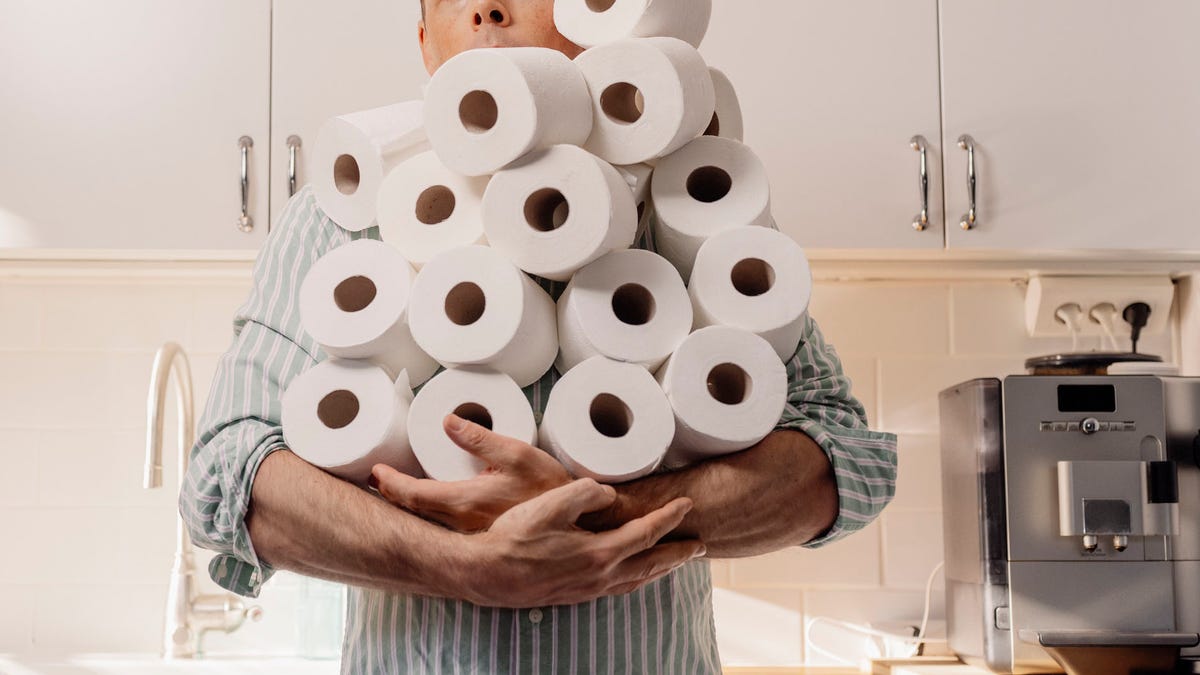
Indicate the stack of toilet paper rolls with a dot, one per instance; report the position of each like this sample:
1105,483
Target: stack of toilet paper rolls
522,163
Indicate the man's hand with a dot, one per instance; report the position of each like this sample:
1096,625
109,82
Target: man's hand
535,555
516,473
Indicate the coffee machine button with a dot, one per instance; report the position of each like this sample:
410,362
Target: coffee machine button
1090,426
1072,426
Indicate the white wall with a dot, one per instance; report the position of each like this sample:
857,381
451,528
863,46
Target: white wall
86,551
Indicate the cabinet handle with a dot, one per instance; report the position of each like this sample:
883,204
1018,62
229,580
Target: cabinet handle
293,143
971,219
246,223
921,222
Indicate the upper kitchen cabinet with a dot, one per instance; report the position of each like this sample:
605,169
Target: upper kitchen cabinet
1085,121
332,58
121,122
833,94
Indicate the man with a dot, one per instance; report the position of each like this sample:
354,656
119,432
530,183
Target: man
521,569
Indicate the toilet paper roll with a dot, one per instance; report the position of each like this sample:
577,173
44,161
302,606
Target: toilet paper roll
485,108
608,421
347,416
630,306
472,307
637,176
557,210
425,209
588,23
727,118
650,96
490,399
353,153
354,302
711,185
757,279
728,389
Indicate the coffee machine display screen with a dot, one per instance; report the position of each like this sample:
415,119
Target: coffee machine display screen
1087,398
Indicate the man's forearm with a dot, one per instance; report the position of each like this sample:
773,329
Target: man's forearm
780,493
303,520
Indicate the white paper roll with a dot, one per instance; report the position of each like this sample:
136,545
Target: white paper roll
728,389
711,185
557,210
488,398
425,209
485,108
608,421
588,23
650,96
630,306
727,119
347,416
472,307
354,302
353,153
757,279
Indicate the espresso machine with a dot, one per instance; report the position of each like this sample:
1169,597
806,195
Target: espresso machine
1072,523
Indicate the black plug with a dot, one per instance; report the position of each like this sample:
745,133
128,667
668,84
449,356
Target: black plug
1137,315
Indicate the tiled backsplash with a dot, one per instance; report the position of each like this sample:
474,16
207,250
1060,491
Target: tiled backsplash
88,550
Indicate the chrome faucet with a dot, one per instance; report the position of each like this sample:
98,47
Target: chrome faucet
188,614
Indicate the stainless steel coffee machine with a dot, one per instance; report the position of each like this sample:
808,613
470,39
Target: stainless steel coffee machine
1072,521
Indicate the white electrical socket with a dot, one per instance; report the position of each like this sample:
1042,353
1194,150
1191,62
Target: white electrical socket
1048,293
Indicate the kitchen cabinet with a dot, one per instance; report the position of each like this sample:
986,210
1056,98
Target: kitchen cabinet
332,58
120,123
832,93
1085,118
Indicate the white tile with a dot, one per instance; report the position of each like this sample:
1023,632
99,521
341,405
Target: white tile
720,573
145,545
870,318
909,387
16,617
21,312
101,468
19,450
830,644
74,390
918,474
102,316
99,618
213,311
864,383
912,548
851,562
68,546
761,628
275,634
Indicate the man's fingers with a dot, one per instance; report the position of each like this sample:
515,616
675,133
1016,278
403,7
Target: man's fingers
415,494
652,564
480,441
564,504
642,533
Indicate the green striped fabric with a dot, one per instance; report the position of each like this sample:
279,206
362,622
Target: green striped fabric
664,627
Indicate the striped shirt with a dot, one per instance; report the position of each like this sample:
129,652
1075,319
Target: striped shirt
664,627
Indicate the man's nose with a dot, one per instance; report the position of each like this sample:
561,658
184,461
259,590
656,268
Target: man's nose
492,11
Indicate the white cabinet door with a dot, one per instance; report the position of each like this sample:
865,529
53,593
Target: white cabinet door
120,121
1086,122
832,93
332,58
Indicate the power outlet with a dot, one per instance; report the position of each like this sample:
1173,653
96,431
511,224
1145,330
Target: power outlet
1046,294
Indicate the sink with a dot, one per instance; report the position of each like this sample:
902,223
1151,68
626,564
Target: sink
152,664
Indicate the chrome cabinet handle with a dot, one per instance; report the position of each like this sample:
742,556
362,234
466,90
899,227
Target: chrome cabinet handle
921,222
293,144
971,220
246,223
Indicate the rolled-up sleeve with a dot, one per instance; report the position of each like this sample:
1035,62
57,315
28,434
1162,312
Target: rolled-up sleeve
241,423
821,405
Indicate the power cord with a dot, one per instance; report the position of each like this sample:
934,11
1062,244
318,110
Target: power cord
1137,316
1106,315
1072,316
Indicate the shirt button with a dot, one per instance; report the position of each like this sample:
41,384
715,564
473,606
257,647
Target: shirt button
535,615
